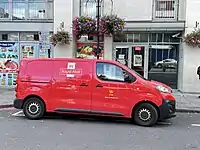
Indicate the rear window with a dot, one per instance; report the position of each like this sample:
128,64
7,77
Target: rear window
39,70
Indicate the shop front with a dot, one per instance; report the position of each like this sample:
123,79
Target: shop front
152,60
10,55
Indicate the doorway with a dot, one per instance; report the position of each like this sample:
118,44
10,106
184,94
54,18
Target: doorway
163,64
154,62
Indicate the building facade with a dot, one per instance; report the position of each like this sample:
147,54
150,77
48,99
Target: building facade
152,43
148,45
189,56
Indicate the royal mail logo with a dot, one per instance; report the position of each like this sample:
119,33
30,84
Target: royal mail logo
64,71
71,66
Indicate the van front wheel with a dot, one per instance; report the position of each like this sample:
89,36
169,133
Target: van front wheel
145,114
33,108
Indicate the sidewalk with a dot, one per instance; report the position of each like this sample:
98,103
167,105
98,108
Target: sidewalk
7,96
185,102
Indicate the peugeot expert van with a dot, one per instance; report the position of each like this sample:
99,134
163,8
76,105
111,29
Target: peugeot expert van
90,87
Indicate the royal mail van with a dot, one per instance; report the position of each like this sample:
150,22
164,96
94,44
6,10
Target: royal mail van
90,87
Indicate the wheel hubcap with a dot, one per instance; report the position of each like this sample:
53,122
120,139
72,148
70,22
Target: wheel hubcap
33,108
144,114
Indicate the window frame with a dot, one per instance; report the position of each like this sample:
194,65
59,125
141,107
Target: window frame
165,9
112,80
81,7
9,9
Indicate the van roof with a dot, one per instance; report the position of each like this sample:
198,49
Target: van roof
69,59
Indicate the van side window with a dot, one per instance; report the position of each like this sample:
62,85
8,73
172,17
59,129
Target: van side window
110,72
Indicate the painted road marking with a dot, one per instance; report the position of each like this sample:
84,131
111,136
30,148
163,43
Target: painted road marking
18,114
9,108
196,125
164,123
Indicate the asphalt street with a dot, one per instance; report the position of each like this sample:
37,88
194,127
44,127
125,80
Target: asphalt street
79,133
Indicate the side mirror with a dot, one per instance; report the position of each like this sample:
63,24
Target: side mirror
103,77
127,79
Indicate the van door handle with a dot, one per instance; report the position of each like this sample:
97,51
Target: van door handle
99,86
83,84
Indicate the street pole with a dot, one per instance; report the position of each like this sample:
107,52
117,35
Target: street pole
98,20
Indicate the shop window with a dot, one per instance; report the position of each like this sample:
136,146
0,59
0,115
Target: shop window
136,37
4,37
13,36
152,37
143,37
167,37
159,37
9,36
27,36
120,37
130,37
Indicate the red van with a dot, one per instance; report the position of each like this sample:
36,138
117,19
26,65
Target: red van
90,87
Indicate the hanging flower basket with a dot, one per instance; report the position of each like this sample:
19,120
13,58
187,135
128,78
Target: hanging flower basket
83,26
193,39
61,37
111,24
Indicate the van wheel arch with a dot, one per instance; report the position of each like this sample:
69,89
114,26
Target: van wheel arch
34,96
143,102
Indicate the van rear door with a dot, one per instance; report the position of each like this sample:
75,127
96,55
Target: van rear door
72,85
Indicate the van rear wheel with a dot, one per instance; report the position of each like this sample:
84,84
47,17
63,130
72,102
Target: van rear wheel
145,114
34,108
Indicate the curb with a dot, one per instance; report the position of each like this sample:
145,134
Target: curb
6,106
187,111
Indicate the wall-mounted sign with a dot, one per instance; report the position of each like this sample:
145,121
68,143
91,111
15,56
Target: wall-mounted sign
138,48
137,60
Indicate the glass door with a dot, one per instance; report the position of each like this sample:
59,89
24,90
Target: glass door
163,64
139,60
122,54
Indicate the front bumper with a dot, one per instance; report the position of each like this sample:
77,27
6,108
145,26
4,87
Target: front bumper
18,103
167,109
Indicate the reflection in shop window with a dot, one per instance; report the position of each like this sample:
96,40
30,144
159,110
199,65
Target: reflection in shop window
36,10
136,37
27,36
120,37
167,37
13,36
143,37
88,8
19,12
159,37
4,9
50,9
152,37
9,36
130,37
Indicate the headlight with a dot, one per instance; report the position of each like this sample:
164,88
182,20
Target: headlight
162,89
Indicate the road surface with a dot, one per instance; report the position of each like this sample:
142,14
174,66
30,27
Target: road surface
78,133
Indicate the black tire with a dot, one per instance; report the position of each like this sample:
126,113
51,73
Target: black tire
160,66
145,114
38,108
